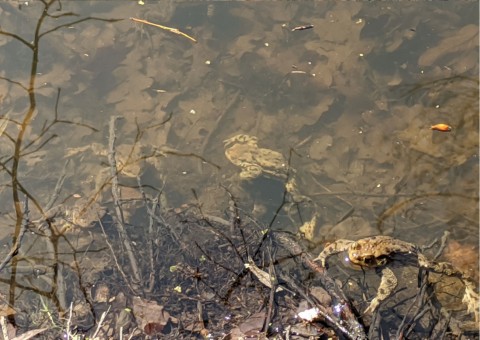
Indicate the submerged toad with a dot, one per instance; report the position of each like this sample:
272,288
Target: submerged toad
83,213
243,151
378,251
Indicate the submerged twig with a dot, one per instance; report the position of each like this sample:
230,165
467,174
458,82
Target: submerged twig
58,187
119,267
100,323
348,324
168,151
3,323
120,225
392,210
418,303
19,239
170,29
151,223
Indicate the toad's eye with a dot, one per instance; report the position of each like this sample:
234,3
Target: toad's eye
369,260
356,246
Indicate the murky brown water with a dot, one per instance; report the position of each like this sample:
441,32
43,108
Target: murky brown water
349,104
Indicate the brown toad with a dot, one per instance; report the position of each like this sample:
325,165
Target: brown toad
378,251
82,212
243,151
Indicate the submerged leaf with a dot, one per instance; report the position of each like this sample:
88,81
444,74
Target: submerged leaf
150,316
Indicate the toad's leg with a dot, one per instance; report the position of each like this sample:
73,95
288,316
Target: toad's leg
333,248
471,297
387,285
250,171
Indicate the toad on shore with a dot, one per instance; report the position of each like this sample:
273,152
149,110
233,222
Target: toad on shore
379,251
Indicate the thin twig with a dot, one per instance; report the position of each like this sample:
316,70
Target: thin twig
169,151
19,239
77,22
151,255
170,29
120,225
154,216
125,278
151,222
13,81
271,300
216,124
417,304
70,312
3,322
100,322
58,187
443,244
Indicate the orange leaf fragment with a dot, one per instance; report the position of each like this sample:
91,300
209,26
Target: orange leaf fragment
441,127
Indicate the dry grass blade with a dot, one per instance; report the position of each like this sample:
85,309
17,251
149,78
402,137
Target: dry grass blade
30,334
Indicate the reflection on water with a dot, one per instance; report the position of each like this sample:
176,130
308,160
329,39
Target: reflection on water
348,103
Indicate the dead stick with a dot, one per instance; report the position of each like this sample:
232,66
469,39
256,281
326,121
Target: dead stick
158,218
115,257
170,29
150,236
120,225
151,223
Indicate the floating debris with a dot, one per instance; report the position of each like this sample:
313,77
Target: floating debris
309,315
441,127
301,28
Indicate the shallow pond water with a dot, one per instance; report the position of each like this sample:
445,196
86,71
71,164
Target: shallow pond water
347,93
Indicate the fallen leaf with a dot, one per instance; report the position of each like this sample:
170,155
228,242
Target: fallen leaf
150,316
253,325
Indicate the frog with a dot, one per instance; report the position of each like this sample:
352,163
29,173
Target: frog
379,251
